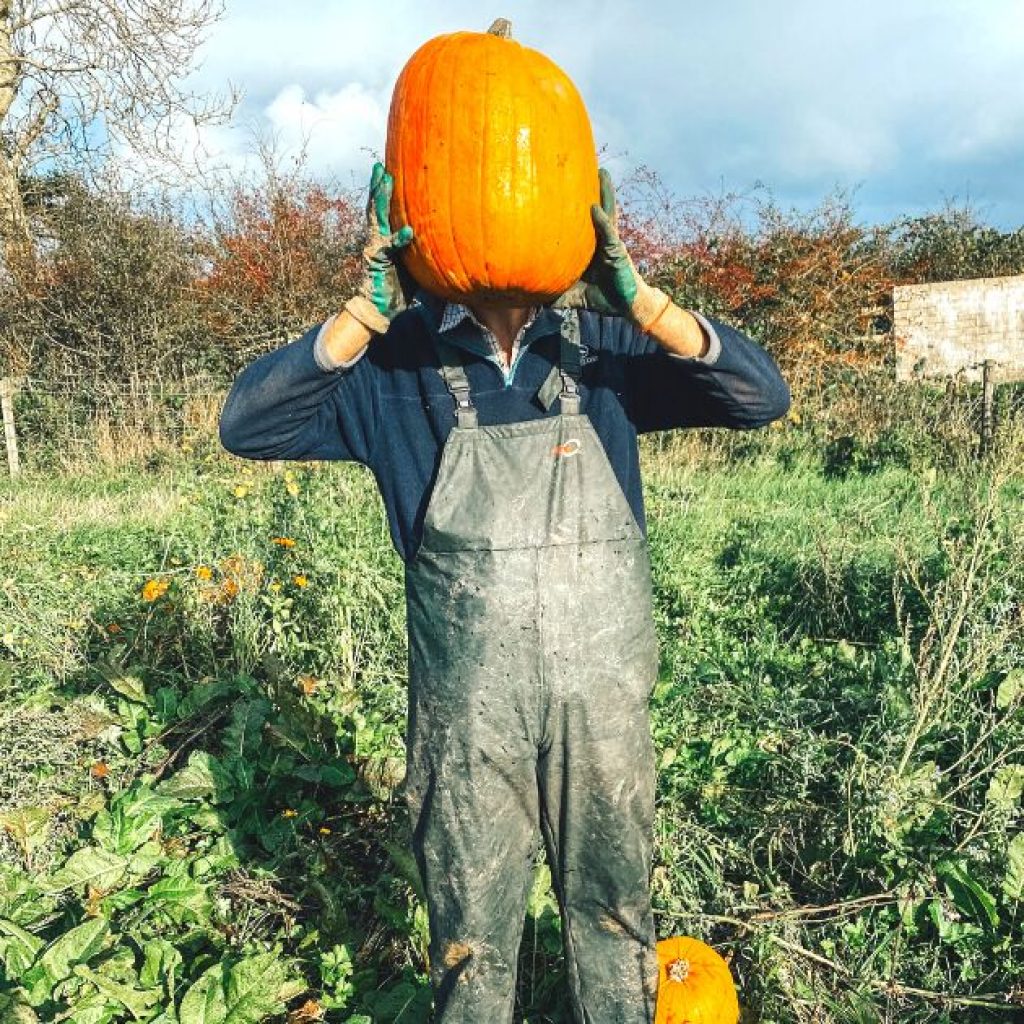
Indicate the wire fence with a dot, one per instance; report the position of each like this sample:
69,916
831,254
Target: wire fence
48,420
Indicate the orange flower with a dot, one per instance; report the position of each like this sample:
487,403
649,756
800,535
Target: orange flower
285,542
204,572
300,580
99,770
113,628
154,589
308,684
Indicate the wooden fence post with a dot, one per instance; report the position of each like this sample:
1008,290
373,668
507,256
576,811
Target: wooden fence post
7,389
988,391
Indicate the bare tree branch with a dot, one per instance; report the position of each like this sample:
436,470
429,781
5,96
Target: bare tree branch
81,79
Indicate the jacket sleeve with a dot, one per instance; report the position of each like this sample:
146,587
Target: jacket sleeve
736,384
292,404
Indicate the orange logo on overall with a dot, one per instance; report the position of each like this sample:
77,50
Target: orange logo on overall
570,447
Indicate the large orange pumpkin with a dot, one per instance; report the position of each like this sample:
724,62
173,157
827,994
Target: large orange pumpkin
694,984
495,168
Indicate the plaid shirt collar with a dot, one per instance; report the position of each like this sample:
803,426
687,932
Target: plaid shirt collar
463,329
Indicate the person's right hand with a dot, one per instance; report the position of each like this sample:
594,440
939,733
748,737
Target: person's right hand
386,287
611,283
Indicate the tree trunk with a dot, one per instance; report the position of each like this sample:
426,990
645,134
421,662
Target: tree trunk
18,250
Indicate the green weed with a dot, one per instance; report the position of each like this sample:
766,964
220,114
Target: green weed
202,706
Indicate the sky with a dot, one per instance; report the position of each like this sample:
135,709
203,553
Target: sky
906,104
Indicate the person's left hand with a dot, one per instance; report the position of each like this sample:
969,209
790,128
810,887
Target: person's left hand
611,283
385,287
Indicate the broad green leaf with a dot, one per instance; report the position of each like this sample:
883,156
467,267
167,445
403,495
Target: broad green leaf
148,857
1011,688
94,1008
405,1002
244,733
122,899
541,895
406,866
1006,787
125,683
179,893
949,931
136,1001
90,866
967,895
133,818
14,1009
203,776
199,696
1013,882
28,827
74,947
18,948
254,989
204,1002
221,856
340,775
160,964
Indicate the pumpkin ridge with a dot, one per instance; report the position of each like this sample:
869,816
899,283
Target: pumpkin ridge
501,105
453,259
522,104
401,178
438,257
422,250
486,228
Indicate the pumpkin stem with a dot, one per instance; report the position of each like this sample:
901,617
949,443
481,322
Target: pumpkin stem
502,28
678,970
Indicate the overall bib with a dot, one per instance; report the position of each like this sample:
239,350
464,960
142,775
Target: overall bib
532,656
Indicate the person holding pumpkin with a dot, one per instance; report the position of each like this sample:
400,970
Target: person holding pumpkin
499,412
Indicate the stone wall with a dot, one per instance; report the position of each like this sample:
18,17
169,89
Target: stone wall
954,326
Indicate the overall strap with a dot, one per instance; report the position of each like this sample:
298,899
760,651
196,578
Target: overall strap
455,378
569,364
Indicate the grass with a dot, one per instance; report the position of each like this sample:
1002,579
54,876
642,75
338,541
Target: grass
201,793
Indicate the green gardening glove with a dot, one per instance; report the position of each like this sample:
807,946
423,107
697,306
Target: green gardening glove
611,283
386,287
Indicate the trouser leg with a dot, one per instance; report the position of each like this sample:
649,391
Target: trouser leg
597,810
474,839
471,789
597,780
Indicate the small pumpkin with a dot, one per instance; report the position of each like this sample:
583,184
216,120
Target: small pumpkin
494,166
695,985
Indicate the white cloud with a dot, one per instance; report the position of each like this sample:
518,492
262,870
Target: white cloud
338,127
912,98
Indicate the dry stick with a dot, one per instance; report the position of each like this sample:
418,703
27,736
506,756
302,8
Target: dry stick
812,911
7,385
208,723
1005,1002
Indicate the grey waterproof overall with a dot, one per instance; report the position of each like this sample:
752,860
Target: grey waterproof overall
532,655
